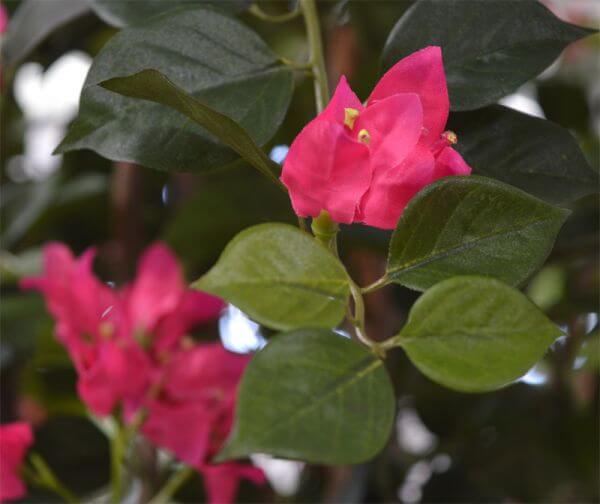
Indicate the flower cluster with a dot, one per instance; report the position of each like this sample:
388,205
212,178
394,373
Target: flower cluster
130,350
365,163
15,440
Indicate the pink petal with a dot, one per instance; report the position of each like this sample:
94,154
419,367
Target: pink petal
195,308
3,18
343,98
393,188
157,289
15,440
423,73
108,379
394,125
74,296
206,371
93,391
222,481
449,162
184,429
326,169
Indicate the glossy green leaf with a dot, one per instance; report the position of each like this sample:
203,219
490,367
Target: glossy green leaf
490,47
471,225
154,86
122,13
281,277
207,54
475,334
532,154
33,21
315,396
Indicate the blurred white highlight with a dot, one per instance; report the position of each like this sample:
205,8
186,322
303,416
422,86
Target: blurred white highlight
238,333
49,101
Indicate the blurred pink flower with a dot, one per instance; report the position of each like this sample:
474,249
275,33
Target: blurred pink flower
109,333
201,384
15,440
365,163
3,18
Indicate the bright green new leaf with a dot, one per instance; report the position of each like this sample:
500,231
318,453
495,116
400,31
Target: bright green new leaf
315,396
490,47
471,225
533,154
475,334
281,277
212,57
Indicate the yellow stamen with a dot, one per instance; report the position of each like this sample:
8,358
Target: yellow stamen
187,343
106,330
350,115
364,137
450,137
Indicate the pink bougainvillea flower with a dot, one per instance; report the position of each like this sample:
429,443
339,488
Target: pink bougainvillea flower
3,18
365,163
15,440
193,414
109,333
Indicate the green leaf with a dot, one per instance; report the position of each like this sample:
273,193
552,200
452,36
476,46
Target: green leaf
532,154
281,277
471,225
315,396
490,48
475,334
122,13
33,21
209,55
154,86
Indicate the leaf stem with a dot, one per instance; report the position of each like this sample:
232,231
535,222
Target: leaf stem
174,483
41,475
316,59
296,65
382,282
255,10
358,320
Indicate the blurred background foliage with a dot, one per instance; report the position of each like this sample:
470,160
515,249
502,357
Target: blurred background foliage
535,441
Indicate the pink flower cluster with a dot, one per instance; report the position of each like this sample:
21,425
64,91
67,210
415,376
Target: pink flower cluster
15,440
130,350
365,163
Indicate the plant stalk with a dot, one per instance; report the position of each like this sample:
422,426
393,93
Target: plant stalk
316,59
41,475
173,484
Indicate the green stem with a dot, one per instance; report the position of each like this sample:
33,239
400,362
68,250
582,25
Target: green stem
296,65
316,59
382,282
273,18
41,475
119,445
359,320
117,455
173,484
